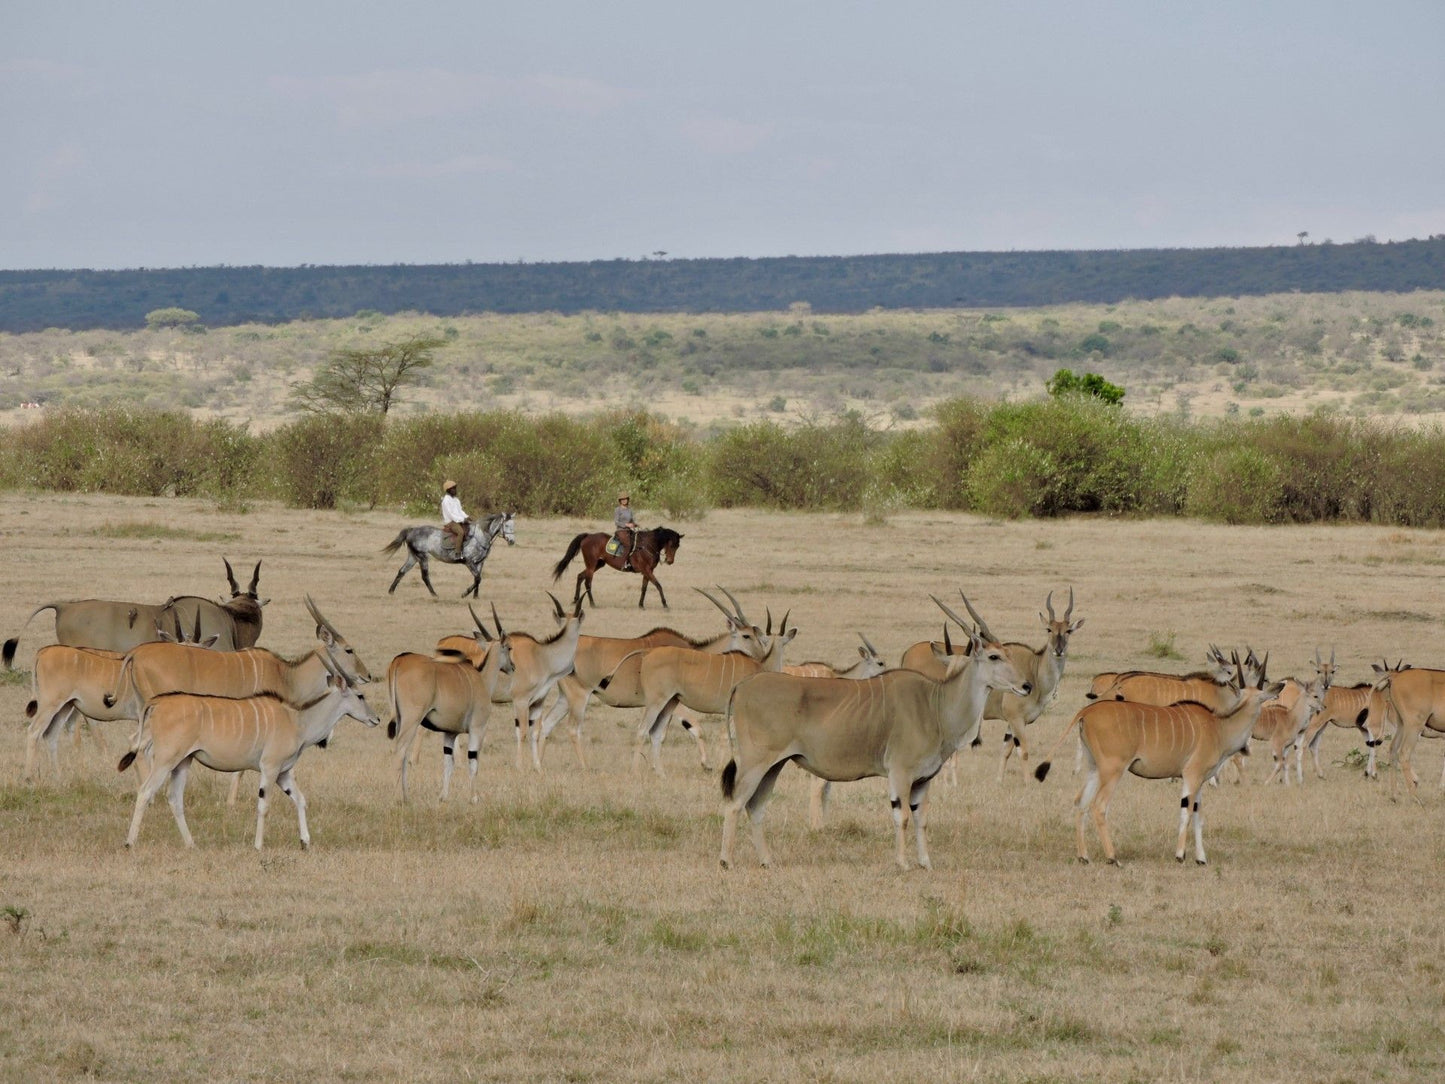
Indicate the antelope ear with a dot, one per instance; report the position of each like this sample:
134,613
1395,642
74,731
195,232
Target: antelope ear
1077,625
263,602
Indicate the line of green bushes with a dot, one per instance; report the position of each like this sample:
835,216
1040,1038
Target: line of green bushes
1064,455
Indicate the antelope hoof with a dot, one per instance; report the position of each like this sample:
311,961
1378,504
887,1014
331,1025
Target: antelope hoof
1116,862
1179,858
724,863
1200,862
305,844
1083,860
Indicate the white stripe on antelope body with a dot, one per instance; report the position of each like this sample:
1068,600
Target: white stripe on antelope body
701,681
1187,741
1416,697
597,670
260,733
900,725
449,696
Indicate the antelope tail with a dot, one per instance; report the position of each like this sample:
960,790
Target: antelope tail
7,653
127,674
395,725
138,742
1042,771
572,548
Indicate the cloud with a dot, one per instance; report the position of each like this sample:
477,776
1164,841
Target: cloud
722,135
402,96
461,165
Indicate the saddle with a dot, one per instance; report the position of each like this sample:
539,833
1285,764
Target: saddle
615,548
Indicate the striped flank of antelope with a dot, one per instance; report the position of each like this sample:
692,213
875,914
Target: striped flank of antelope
259,733
1186,741
1415,698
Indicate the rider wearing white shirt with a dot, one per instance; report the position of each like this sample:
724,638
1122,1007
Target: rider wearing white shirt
455,522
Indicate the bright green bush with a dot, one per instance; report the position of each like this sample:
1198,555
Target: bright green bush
1236,484
324,460
813,466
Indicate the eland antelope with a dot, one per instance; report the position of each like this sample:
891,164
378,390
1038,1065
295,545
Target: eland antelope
901,725
538,666
1283,721
598,670
450,696
673,676
1185,741
69,683
260,733
1415,698
120,626
1217,668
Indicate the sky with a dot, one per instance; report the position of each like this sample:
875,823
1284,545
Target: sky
196,133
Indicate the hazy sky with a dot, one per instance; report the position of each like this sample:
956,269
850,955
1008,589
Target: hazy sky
164,134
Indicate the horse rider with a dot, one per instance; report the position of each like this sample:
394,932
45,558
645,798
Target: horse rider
455,522
627,528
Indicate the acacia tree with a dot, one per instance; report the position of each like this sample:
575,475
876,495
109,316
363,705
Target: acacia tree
365,380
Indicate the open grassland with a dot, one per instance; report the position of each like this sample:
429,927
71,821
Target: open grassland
1368,353
575,925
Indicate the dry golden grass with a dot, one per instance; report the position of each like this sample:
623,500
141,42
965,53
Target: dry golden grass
576,925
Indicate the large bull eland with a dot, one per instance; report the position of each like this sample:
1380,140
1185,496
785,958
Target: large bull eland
900,725
120,626
1183,741
259,733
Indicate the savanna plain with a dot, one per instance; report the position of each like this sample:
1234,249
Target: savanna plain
575,925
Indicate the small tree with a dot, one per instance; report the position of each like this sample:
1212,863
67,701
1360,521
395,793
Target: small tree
173,317
362,381
1067,382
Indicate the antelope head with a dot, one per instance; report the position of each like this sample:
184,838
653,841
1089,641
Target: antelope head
1059,629
504,642
336,646
873,663
746,636
1325,671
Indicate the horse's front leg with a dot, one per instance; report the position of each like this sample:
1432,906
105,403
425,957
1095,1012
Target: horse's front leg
476,571
658,584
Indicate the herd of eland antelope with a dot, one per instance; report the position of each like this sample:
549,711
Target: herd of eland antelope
189,674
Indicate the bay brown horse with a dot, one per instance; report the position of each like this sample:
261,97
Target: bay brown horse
654,545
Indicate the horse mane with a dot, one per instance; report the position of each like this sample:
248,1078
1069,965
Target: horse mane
663,535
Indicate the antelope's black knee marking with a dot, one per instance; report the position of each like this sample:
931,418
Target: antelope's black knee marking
686,725
471,754
1196,805
895,803
912,807
1184,802
261,794
1015,740
1372,744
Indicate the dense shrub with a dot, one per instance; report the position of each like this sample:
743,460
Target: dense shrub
132,452
1046,458
327,459
813,466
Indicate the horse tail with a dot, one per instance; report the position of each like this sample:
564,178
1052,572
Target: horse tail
567,557
397,542
7,653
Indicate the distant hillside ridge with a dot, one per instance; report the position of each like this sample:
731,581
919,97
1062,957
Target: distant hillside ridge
224,296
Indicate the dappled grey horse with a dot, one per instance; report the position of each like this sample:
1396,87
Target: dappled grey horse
424,542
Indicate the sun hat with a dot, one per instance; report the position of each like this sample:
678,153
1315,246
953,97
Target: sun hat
448,484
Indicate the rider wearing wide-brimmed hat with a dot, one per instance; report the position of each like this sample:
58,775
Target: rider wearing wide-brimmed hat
627,528
455,522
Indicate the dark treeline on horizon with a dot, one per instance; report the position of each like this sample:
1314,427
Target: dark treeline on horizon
223,296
